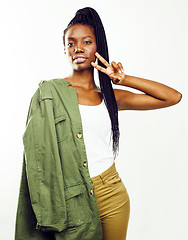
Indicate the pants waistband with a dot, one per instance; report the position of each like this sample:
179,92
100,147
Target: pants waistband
103,177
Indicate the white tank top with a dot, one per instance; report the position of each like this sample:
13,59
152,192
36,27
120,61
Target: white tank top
96,125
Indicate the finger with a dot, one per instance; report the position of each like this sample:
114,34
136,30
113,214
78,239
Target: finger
113,77
121,67
102,59
98,67
114,65
115,80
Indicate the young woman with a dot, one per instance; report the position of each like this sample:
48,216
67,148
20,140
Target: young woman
70,188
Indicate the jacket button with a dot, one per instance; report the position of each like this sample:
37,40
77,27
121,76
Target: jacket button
85,164
91,191
79,135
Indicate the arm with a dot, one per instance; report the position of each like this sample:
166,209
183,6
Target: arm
156,95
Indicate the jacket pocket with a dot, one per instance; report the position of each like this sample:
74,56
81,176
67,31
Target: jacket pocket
61,127
77,212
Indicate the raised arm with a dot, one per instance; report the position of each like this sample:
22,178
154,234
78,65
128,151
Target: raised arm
155,95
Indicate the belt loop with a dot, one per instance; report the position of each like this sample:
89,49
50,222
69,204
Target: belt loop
101,179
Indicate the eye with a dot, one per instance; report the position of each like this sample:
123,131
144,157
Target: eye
70,44
87,42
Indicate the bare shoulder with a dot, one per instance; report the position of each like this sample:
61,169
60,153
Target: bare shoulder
123,96
119,93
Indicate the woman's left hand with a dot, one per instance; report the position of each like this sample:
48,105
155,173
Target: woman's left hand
114,71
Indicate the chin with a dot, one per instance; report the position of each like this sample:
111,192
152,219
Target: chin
80,67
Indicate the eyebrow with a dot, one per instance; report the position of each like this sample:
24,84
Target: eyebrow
82,38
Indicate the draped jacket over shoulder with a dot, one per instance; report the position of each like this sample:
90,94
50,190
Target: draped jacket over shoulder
56,198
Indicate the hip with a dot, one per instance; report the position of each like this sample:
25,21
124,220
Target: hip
110,191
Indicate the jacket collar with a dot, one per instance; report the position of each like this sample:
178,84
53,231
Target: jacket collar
67,83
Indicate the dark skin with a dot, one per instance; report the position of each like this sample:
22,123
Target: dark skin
80,40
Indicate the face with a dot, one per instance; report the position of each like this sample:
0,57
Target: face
80,46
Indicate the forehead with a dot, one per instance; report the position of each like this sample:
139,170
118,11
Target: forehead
79,31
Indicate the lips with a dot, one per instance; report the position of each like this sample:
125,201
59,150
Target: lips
79,58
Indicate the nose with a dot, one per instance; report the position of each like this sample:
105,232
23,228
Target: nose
78,49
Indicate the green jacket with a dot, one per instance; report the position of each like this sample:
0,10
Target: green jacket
56,198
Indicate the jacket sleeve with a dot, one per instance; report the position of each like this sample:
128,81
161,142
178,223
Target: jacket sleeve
43,165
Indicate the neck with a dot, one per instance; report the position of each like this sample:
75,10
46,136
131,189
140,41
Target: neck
82,78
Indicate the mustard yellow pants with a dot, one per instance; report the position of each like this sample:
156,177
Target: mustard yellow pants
113,204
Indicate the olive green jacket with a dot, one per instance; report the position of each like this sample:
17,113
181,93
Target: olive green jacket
56,198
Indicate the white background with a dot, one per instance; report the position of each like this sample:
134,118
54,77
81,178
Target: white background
150,38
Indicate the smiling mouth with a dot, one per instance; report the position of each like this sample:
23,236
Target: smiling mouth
80,60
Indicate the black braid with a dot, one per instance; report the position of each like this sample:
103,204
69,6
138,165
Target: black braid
88,16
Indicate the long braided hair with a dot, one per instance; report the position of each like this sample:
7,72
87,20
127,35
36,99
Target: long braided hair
88,16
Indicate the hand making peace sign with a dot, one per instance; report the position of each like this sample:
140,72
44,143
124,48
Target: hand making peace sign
114,71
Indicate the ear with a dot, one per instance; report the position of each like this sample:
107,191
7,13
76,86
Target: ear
65,50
